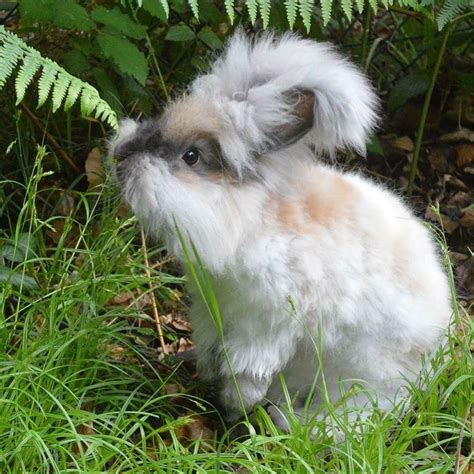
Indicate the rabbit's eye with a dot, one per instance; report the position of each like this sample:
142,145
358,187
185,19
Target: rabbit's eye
191,157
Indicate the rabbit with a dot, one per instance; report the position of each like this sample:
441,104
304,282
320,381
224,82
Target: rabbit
320,275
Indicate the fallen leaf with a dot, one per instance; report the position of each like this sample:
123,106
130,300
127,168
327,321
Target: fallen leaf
465,154
467,219
454,182
194,428
438,161
93,167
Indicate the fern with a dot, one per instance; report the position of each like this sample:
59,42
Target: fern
195,8
451,9
346,6
252,7
265,7
306,11
229,8
448,12
291,7
31,64
53,79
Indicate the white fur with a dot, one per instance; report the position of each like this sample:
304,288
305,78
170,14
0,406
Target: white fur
364,293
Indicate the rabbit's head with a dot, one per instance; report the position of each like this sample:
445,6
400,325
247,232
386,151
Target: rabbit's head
204,163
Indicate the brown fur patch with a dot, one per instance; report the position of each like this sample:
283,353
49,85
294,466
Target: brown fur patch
189,119
316,207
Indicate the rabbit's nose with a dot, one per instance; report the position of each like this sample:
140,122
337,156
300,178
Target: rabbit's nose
141,143
126,150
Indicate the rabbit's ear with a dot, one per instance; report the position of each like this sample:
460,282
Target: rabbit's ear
267,87
300,120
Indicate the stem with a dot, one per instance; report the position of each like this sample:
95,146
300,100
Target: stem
154,305
365,37
424,113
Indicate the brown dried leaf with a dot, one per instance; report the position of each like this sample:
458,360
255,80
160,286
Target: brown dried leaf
467,219
454,182
438,161
121,299
93,167
180,324
449,224
193,428
184,345
464,153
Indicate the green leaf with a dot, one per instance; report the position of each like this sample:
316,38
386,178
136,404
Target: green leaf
37,10
61,86
10,54
291,7
451,9
180,33
125,55
194,7
346,6
156,8
265,7
229,8
374,146
121,22
48,75
210,38
252,7
21,250
360,5
63,13
68,14
407,88
466,81
306,11
17,279
30,66
73,93
76,62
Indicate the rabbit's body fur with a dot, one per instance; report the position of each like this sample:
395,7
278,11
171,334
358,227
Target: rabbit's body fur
308,264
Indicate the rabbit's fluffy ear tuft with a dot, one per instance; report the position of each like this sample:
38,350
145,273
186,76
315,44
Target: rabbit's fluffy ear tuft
275,91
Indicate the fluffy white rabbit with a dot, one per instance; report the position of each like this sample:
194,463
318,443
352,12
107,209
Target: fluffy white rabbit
308,264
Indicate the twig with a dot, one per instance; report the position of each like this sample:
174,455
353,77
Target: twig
51,139
152,295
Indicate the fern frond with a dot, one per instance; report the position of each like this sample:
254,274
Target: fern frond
252,7
265,7
166,7
360,5
46,80
451,9
61,86
306,11
346,6
374,5
65,87
194,8
75,89
10,54
30,66
291,7
229,8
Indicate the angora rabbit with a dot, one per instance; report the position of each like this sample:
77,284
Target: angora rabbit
312,268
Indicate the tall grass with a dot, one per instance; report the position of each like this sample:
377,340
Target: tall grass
82,391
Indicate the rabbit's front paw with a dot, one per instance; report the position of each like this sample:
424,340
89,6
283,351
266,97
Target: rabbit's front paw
251,390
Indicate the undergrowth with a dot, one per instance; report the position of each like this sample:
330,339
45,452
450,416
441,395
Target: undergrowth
83,390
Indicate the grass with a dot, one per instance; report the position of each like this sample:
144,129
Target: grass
82,388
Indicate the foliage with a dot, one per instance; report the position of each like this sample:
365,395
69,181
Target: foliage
53,79
82,385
